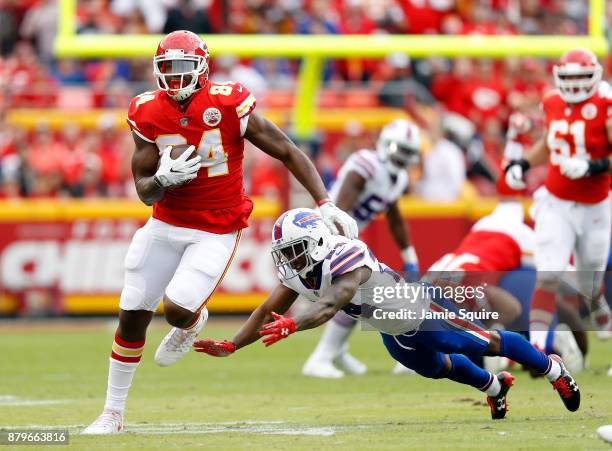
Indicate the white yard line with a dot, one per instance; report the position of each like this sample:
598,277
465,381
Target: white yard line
11,400
243,427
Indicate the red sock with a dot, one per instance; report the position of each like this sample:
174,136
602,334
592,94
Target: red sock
127,351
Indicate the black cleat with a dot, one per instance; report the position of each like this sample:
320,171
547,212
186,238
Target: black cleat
498,403
566,386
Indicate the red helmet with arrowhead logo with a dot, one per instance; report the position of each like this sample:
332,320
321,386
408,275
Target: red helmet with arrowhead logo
181,64
577,75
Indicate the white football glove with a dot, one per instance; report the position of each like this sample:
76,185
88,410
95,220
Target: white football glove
514,177
574,168
332,215
176,172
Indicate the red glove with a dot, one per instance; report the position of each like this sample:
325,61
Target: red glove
214,347
277,330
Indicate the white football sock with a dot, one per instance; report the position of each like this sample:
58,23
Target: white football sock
120,375
333,338
554,372
494,388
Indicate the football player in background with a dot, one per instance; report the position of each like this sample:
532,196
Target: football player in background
498,253
199,205
572,210
496,244
369,183
338,273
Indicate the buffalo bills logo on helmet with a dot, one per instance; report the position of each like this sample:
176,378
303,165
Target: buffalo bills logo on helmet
306,219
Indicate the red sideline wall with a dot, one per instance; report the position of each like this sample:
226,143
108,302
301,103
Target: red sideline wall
67,256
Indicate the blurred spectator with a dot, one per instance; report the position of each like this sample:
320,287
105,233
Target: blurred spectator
8,27
444,168
40,25
73,159
91,182
186,15
426,16
400,90
97,163
46,153
17,175
68,71
399,83
94,16
484,93
154,12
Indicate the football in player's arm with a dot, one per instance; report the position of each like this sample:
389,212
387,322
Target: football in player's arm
153,174
202,194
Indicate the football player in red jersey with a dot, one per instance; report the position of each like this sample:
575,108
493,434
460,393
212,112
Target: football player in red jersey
572,210
199,205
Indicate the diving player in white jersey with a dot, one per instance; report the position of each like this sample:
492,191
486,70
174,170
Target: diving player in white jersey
369,183
422,331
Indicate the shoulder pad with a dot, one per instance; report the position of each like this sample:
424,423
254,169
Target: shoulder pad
364,162
347,256
605,90
233,95
138,114
550,94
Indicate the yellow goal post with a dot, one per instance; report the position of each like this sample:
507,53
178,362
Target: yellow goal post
314,49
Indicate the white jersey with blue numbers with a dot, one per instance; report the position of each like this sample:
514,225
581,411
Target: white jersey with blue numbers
346,256
380,190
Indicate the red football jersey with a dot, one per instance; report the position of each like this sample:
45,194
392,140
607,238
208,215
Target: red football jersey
494,251
482,257
577,130
213,121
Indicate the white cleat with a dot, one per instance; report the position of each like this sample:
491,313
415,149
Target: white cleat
316,367
605,433
350,364
603,335
178,343
566,345
610,371
401,370
109,422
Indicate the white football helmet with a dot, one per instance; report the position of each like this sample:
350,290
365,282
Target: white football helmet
300,240
577,75
399,145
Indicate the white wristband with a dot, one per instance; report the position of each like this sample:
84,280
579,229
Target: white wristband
409,255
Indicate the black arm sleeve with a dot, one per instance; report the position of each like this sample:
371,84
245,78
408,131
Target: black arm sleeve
598,166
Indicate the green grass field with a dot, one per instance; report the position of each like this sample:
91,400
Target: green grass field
54,375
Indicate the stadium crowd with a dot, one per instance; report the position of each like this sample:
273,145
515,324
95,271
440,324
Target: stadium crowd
469,101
